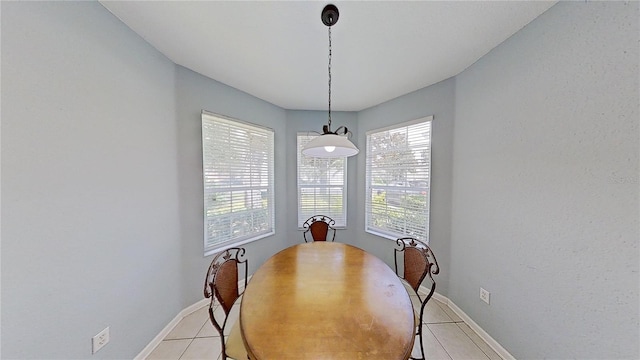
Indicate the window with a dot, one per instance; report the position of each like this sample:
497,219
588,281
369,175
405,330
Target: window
398,172
321,186
237,168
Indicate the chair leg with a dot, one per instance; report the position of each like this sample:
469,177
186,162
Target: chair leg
421,345
419,334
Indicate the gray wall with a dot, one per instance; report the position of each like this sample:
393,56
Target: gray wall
436,100
545,186
536,200
195,93
90,231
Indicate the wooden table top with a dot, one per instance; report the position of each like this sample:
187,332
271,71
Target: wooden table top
329,301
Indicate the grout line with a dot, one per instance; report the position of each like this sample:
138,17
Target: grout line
478,345
438,340
467,335
473,342
493,344
185,349
458,326
174,339
202,327
208,336
442,305
424,324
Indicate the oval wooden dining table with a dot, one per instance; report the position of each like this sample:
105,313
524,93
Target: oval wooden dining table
329,301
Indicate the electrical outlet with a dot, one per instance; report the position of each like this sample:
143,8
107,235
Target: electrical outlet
100,340
484,295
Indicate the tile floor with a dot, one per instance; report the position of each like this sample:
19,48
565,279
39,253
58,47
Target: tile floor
445,336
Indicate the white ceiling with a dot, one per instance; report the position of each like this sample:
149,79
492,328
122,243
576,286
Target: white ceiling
278,51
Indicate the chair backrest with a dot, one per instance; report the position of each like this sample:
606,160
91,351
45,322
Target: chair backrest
419,263
221,284
319,228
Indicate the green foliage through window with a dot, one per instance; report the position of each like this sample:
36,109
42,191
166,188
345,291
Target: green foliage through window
398,169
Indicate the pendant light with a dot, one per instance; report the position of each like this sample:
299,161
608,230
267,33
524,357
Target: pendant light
330,144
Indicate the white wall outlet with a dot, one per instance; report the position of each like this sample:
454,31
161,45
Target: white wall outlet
100,340
484,295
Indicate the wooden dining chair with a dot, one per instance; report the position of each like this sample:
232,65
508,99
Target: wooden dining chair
319,228
418,263
221,286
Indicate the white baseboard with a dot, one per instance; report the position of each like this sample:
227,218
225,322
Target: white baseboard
502,352
437,296
167,329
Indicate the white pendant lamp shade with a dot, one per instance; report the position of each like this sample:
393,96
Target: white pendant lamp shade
330,145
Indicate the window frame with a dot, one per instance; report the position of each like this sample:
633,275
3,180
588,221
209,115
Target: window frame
214,247
368,208
299,156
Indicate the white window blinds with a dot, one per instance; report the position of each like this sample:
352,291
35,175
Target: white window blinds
237,167
398,173
321,186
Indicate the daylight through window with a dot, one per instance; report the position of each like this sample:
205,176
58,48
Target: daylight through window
398,173
237,167
321,186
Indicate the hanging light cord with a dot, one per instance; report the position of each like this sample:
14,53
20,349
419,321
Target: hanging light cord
327,128
329,18
329,67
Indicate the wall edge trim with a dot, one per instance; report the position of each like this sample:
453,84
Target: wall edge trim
501,351
167,329
493,344
181,315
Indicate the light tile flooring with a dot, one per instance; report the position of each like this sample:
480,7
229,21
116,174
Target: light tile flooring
445,336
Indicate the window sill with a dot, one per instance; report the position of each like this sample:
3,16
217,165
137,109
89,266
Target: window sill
235,244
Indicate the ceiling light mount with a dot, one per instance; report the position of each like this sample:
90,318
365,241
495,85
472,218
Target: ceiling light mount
330,143
330,15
